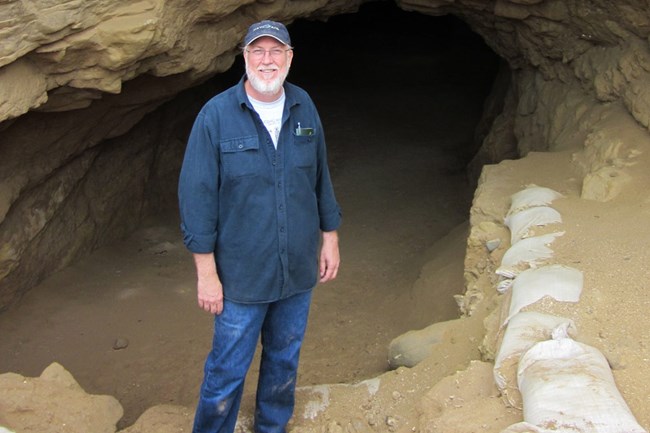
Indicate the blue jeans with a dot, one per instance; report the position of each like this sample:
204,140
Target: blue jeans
236,330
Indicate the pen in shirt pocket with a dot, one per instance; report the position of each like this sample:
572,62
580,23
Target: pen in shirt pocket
304,131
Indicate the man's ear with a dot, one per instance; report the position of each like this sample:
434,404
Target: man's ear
289,57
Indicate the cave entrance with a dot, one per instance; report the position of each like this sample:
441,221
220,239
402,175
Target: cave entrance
400,95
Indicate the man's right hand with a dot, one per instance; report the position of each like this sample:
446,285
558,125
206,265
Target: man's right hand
208,287
210,293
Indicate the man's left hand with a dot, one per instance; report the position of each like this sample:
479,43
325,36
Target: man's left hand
330,258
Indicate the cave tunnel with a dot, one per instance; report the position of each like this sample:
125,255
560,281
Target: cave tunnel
401,96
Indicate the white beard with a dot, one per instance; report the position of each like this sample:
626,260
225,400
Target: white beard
267,87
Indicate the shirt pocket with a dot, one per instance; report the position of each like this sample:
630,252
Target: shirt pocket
240,156
304,150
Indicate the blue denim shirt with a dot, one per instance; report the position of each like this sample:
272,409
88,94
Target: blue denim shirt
260,210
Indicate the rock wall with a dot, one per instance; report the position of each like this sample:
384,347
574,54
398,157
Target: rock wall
78,81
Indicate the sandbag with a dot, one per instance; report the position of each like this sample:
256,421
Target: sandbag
561,283
524,330
522,222
532,196
526,253
569,386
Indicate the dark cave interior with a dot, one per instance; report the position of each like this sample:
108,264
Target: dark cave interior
389,62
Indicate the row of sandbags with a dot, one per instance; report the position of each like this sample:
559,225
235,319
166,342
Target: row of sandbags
560,384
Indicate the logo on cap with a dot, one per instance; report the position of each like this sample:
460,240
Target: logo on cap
273,29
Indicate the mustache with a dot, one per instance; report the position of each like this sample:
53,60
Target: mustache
266,68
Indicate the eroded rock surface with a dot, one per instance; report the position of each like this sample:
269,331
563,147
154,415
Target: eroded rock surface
54,402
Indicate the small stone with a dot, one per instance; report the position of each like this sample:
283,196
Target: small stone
392,423
120,343
493,244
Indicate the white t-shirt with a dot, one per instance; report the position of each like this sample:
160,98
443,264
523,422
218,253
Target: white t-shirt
271,115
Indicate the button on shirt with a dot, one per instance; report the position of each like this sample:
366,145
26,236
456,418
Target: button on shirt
259,209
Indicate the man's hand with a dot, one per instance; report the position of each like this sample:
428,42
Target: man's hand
330,258
208,286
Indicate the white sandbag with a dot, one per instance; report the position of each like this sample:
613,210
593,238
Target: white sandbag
524,330
561,283
532,196
569,386
526,253
521,222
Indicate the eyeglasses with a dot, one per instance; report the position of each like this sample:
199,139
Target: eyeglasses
259,53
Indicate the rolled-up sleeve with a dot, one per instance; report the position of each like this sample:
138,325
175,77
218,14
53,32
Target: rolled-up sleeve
198,188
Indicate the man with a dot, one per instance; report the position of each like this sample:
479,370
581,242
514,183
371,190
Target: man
255,196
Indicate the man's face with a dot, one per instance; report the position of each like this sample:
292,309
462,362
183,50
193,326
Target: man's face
267,64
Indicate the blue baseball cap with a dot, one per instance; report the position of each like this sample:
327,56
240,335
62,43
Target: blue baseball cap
273,29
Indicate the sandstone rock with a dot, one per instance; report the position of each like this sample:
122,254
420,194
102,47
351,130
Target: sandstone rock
24,88
54,402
